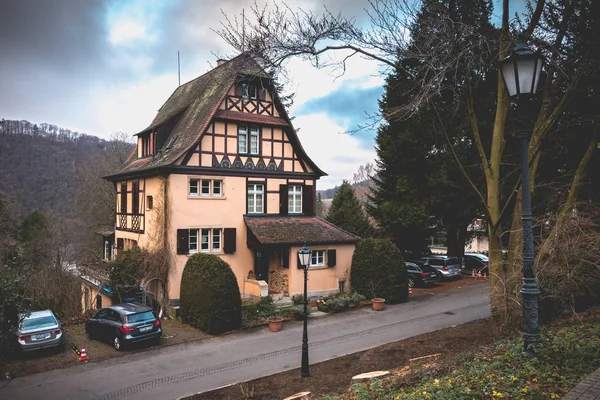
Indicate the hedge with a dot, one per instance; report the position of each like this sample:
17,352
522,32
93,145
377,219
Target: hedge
210,296
378,270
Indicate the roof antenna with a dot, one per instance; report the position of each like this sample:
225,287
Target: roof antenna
178,70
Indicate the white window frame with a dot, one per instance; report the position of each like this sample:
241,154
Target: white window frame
106,250
202,242
243,132
319,258
254,140
254,192
197,185
193,241
294,193
214,186
208,186
217,233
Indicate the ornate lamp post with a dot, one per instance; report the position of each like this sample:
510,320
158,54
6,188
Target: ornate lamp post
304,256
521,73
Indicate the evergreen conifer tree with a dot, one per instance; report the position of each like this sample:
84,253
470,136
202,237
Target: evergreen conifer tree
347,212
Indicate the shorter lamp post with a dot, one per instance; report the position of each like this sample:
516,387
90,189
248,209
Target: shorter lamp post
521,73
304,256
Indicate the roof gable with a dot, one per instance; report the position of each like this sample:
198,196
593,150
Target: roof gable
190,109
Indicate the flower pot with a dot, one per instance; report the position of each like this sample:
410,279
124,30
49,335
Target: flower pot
275,324
378,304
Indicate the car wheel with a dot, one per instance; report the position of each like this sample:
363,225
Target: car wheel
411,282
117,344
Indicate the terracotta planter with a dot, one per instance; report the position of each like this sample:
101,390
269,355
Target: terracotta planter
275,324
378,304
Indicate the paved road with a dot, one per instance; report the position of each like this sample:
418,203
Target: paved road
182,370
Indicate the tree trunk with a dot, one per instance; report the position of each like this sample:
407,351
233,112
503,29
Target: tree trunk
452,239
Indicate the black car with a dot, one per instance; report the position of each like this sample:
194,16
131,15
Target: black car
124,324
420,274
474,262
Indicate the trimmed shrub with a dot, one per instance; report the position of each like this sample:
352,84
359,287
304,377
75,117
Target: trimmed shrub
378,270
210,296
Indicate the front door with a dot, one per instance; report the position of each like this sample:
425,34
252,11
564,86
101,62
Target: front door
261,265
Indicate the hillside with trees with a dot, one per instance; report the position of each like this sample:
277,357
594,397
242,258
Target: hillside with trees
41,164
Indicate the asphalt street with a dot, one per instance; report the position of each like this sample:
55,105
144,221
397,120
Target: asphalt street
176,371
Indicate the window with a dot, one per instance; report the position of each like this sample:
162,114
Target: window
205,187
216,240
124,198
148,144
205,241
249,91
242,139
217,185
107,250
193,187
135,197
255,198
149,202
294,199
317,258
253,139
193,241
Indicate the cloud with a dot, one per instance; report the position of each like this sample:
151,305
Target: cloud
338,154
350,107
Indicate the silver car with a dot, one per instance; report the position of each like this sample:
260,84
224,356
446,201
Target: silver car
39,330
448,266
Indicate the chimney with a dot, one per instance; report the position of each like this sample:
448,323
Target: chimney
221,61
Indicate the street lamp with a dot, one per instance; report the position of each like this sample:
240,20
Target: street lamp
304,256
521,73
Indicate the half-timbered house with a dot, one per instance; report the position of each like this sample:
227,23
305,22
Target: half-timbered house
221,170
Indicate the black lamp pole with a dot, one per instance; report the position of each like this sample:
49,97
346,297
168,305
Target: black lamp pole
521,72
304,256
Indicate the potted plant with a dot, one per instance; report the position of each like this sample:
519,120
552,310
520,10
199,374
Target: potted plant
378,304
251,275
275,321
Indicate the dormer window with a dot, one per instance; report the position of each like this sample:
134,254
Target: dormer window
147,144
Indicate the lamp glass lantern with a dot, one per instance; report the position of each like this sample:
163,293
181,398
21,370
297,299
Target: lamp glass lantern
304,255
521,70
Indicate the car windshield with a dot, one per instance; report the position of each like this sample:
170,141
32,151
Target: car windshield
144,316
452,261
39,323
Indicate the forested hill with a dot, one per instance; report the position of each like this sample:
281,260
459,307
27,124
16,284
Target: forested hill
39,165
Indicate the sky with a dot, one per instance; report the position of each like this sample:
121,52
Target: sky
106,66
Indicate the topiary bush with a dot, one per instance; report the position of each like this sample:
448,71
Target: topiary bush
378,270
210,296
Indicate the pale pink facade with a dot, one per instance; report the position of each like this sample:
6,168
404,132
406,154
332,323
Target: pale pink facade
225,183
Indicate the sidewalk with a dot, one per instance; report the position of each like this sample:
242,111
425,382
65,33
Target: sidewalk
589,389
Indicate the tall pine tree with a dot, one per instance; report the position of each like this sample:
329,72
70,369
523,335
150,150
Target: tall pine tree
347,212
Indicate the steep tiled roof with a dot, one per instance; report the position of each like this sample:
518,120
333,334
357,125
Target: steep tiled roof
296,230
193,104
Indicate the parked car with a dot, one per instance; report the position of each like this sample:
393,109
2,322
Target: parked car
450,267
38,330
124,324
420,274
475,262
